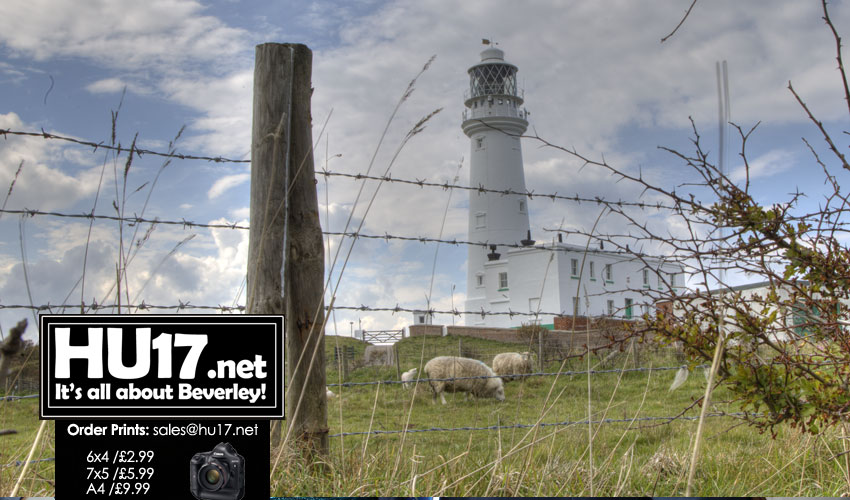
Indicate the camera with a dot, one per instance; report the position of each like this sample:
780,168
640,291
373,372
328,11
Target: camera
218,474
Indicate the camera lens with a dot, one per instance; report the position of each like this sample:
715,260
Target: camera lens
212,477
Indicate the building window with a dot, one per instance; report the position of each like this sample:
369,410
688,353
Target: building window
479,142
522,206
629,308
673,280
610,308
658,278
421,320
592,270
574,268
609,274
503,281
646,278
645,308
479,280
480,220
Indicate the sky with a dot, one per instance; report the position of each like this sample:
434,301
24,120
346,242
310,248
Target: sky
596,79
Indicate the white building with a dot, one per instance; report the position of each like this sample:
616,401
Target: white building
561,278
533,278
791,317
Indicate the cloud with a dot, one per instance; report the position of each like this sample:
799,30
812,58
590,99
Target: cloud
595,77
123,35
769,164
114,85
42,182
225,183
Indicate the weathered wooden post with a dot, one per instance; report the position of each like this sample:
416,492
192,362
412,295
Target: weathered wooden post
285,251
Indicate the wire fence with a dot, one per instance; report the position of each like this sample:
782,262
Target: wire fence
543,424
565,423
186,305
513,375
18,463
617,250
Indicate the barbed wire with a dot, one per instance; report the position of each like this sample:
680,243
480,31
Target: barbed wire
131,220
514,375
119,149
16,398
481,189
241,308
543,424
327,173
453,312
18,463
560,247
422,380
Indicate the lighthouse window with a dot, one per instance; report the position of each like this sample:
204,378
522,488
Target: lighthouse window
503,281
479,142
479,280
480,221
522,206
574,268
609,275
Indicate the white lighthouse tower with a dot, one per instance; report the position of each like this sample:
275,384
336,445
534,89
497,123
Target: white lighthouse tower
493,122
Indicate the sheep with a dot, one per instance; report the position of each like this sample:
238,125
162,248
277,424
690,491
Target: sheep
407,377
512,362
329,393
452,366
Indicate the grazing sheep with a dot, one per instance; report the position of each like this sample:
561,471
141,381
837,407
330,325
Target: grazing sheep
329,393
452,366
512,362
407,377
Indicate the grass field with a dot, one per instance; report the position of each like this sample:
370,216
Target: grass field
626,458
632,458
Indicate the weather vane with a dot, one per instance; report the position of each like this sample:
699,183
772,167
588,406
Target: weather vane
486,41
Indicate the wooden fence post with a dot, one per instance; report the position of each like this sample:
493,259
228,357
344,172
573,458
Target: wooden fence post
285,250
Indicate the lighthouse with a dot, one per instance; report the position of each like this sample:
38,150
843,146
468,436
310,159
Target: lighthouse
510,278
493,120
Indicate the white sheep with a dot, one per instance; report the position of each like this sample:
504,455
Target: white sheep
329,393
407,377
508,363
452,366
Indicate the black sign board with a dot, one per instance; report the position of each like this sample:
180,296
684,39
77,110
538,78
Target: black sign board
151,366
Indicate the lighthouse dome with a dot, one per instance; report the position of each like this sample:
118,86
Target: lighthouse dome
492,54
